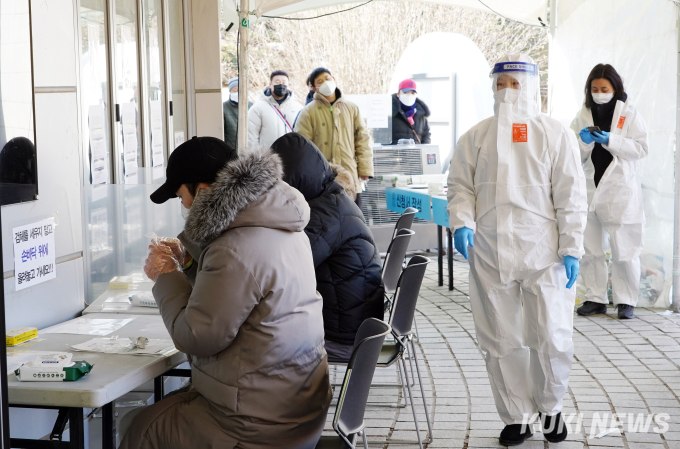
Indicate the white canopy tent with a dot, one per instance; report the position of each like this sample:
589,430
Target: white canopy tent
639,38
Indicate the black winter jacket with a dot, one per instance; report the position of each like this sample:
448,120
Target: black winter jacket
346,259
401,128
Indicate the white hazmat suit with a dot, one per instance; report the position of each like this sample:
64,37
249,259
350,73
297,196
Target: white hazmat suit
516,180
615,206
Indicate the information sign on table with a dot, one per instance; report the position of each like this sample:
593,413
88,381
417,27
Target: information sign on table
399,200
439,213
34,254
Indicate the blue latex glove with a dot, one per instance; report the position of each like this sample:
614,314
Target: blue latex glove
601,137
462,238
571,264
586,137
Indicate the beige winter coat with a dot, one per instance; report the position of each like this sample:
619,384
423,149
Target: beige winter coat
250,321
339,132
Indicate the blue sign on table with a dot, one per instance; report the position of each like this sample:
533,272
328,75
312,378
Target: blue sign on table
399,200
439,213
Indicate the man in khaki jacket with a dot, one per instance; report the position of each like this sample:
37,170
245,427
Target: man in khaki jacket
336,128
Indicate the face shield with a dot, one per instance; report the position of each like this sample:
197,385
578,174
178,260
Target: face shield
516,83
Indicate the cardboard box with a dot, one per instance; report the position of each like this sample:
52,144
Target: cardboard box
20,335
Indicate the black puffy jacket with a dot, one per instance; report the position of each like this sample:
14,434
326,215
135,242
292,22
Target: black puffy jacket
347,262
401,128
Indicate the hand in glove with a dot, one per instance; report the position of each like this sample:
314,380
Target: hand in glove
586,137
178,250
571,265
160,260
461,238
601,137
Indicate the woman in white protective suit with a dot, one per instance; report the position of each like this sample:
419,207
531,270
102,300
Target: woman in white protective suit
516,184
611,158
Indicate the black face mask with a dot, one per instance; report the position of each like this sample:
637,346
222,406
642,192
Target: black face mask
280,90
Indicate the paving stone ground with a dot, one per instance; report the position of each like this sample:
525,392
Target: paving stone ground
629,368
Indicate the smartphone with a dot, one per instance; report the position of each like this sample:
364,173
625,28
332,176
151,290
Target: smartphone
594,128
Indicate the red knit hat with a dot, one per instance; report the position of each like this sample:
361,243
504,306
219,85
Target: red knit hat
408,85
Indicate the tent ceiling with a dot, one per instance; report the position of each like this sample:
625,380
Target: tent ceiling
526,11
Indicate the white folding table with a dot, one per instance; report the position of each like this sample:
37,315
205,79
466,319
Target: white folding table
112,376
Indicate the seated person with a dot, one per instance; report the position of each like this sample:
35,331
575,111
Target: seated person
241,302
347,262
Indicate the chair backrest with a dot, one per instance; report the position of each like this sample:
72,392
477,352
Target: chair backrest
406,295
349,415
394,259
405,221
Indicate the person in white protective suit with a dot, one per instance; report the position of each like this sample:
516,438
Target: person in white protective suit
611,159
516,184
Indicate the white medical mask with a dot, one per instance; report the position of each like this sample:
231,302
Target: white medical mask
507,95
327,88
184,211
408,99
603,98
233,96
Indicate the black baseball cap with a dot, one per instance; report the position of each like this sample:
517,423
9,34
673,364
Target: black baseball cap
199,159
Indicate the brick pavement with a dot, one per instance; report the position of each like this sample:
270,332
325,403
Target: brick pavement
628,368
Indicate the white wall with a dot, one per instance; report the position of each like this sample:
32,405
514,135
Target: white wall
59,165
59,174
639,38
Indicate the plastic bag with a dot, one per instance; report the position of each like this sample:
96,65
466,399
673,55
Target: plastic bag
165,255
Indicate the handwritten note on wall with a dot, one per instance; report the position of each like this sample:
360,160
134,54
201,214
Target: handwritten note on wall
34,254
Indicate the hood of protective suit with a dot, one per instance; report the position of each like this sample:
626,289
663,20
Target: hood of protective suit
526,101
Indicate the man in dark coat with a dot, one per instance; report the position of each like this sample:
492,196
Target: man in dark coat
346,259
409,115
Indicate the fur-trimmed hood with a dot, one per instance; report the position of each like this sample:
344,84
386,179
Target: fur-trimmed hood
248,192
345,179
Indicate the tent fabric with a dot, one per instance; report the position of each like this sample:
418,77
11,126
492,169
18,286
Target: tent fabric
525,11
640,40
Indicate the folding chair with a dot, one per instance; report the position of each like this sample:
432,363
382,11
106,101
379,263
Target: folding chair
401,320
394,260
348,421
405,220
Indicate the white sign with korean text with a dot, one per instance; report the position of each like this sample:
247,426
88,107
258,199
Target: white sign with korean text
34,254
374,108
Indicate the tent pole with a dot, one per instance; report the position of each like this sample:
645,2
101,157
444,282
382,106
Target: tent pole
242,135
676,222
553,28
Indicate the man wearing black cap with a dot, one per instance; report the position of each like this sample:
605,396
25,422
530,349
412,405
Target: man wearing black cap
245,308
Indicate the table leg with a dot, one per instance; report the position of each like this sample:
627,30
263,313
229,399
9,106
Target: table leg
76,427
108,426
449,242
158,389
440,256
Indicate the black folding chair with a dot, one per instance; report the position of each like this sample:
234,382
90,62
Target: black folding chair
394,260
401,320
348,421
405,220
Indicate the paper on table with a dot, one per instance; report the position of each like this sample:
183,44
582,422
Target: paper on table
124,346
15,360
89,326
